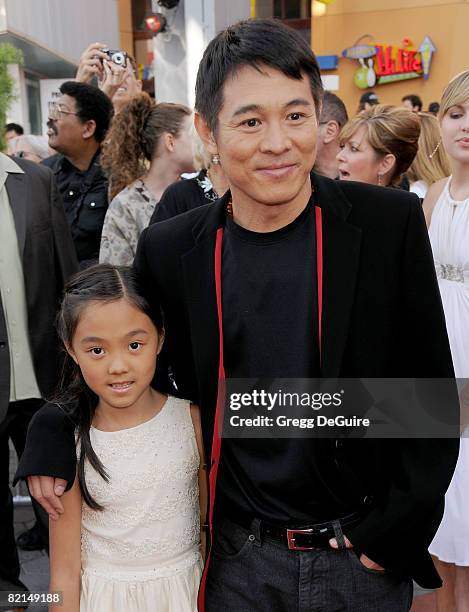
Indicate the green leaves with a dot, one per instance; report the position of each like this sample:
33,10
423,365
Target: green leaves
8,55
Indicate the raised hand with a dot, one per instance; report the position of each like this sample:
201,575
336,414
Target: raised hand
113,77
91,63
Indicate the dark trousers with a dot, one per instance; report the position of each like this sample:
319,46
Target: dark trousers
247,574
14,426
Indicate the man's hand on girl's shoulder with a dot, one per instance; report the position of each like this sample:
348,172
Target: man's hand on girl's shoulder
47,491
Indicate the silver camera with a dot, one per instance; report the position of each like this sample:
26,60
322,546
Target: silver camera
116,56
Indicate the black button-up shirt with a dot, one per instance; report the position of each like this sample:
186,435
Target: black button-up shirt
85,198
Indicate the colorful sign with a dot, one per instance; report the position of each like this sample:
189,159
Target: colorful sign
426,50
381,63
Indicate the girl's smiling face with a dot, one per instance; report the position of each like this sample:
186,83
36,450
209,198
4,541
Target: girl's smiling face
115,345
455,132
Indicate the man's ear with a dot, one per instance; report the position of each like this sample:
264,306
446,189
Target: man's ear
89,129
331,132
206,134
139,84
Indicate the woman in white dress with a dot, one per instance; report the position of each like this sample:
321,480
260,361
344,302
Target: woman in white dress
447,211
130,536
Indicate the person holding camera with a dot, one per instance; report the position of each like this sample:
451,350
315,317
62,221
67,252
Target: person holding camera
115,70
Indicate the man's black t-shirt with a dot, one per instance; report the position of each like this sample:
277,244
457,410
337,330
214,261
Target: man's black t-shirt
270,328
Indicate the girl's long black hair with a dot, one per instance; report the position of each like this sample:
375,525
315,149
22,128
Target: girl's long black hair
100,283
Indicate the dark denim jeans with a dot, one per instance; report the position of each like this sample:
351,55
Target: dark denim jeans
247,574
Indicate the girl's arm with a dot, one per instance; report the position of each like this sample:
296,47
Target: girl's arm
203,478
431,198
65,551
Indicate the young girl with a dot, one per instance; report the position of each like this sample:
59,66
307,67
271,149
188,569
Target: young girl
147,149
447,211
135,500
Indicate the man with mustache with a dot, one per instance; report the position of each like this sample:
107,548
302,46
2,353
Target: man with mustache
78,122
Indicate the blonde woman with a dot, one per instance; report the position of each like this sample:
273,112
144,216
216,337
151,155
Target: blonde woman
431,163
446,208
378,145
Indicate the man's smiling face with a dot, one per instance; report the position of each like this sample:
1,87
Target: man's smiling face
266,135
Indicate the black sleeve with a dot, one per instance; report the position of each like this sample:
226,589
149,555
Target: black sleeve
65,255
178,198
169,206
419,470
50,446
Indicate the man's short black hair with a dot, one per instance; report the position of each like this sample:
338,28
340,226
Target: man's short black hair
333,109
14,127
414,100
91,104
256,43
434,108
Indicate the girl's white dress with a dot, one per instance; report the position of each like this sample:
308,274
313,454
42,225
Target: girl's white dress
141,553
449,236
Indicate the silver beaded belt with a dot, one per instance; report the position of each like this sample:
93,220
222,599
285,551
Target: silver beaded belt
452,273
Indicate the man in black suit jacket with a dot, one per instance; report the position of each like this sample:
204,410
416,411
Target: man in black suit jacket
292,275
36,256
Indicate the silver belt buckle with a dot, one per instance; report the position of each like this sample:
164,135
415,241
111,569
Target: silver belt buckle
291,539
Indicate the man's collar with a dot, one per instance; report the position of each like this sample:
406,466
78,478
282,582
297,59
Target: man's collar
68,164
8,165
328,196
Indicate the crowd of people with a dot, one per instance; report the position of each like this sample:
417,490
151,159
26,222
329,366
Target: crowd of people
144,261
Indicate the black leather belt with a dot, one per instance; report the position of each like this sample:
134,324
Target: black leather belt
304,538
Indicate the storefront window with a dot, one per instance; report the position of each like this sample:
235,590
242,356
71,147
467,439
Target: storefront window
292,9
33,97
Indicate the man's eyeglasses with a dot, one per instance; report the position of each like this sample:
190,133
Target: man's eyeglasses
57,111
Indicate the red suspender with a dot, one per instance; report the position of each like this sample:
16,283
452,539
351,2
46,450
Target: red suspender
219,412
319,274
218,424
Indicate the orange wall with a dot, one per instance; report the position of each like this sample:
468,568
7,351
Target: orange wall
126,26
390,21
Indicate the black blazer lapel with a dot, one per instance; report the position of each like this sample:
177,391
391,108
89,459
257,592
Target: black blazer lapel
17,189
341,252
199,286
198,271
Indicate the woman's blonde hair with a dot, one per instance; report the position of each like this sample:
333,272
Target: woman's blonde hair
134,136
456,92
431,162
390,129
